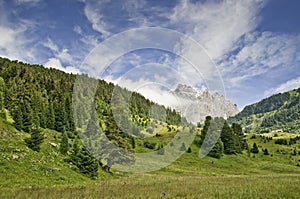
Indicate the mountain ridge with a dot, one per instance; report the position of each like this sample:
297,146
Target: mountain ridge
279,111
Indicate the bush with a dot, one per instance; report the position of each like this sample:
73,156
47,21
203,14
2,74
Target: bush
281,141
150,130
149,145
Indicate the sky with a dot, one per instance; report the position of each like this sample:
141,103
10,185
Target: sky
248,49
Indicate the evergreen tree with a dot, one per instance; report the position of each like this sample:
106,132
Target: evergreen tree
241,139
183,147
86,163
266,152
205,129
229,140
50,116
36,139
217,150
133,142
64,145
213,145
2,95
254,149
18,118
27,117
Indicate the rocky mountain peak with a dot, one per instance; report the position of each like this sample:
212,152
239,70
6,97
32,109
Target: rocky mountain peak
196,104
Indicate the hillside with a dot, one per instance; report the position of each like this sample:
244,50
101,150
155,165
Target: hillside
34,99
280,112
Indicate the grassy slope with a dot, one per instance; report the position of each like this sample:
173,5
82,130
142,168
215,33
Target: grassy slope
20,166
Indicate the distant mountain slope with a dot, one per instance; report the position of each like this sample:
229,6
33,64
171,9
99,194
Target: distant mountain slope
278,112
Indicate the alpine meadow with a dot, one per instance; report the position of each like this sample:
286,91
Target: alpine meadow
149,99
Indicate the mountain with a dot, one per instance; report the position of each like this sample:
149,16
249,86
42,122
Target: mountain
196,104
280,112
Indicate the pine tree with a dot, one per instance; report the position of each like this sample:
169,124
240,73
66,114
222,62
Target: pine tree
36,139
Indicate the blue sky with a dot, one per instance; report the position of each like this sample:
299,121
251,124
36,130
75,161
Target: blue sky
253,44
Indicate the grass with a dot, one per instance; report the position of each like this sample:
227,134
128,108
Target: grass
47,175
160,186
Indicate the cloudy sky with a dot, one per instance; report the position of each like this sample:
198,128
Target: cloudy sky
251,46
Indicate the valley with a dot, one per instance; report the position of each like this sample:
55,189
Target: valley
45,148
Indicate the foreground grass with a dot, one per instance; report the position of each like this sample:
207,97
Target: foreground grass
160,186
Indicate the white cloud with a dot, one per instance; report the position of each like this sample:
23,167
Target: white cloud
32,2
216,25
60,56
55,63
14,44
51,45
289,85
92,13
78,29
261,53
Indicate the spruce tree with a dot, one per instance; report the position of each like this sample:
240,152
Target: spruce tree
18,118
183,147
87,164
229,140
36,139
50,116
217,150
64,145
254,149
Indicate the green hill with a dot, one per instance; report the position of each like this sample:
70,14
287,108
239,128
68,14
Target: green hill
280,112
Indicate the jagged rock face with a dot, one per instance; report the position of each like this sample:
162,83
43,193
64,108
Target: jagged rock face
196,104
